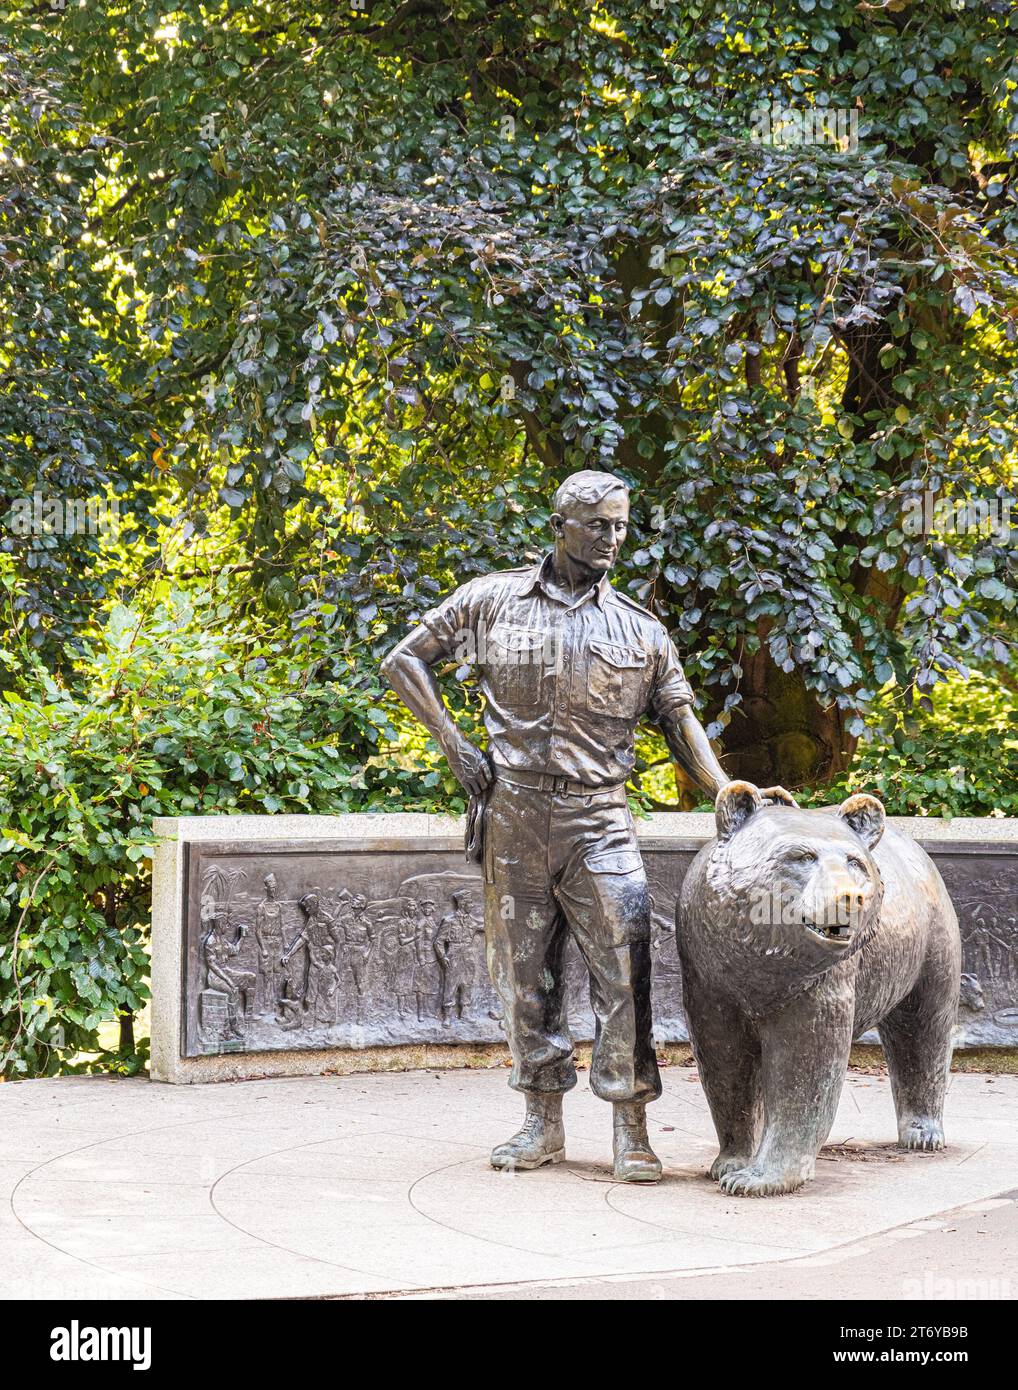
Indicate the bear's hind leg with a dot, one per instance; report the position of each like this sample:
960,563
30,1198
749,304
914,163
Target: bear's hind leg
727,1055
918,1039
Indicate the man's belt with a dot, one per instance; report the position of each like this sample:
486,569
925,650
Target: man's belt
550,782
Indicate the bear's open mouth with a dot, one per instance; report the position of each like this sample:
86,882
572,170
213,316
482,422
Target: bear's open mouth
839,933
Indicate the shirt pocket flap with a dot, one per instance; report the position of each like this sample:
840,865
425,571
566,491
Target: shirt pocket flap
517,639
614,861
625,658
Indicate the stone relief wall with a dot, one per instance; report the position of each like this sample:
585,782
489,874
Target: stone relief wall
984,889
317,945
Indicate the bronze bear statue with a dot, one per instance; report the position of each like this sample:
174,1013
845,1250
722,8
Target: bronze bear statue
797,932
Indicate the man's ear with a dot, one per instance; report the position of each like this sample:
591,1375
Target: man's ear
865,815
735,803
557,522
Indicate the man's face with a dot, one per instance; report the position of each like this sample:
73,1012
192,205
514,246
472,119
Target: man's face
592,532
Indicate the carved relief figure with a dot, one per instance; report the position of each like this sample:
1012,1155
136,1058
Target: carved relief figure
386,939
971,997
223,978
454,948
323,979
269,940
425,963
295,963
321,940
404,955
358,939
993,957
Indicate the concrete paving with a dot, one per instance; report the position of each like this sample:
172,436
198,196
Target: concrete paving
379,1186
968,1255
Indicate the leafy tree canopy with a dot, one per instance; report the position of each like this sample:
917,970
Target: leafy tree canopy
372,278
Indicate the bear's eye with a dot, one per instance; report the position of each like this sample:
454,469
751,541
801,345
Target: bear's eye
802,856
854,862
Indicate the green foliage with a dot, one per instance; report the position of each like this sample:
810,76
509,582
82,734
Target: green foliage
65,428
359,256
958,759
167,711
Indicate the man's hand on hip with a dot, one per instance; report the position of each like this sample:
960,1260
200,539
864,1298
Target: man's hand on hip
470,766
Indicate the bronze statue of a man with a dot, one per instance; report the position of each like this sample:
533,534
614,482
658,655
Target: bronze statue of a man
568,668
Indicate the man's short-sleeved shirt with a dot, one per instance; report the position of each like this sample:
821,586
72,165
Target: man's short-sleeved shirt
565,685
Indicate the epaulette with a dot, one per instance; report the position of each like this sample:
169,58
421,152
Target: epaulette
495,574
632,603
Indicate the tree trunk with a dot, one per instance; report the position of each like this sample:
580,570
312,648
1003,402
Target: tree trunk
781,735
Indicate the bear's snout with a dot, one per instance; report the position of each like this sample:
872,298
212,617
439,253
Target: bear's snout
834,904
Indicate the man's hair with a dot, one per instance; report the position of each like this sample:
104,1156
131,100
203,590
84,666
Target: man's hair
587,486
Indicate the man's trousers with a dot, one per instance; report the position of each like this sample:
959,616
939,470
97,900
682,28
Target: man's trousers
558,862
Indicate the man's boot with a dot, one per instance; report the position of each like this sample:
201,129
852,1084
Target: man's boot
635,1160
541,1139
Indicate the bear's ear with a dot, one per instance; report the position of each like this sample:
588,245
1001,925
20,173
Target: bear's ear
735,803
865,815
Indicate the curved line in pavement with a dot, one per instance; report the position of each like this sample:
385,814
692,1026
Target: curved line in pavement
264,1240
469,1235
693,1271
83,1148
678,1232
293,1148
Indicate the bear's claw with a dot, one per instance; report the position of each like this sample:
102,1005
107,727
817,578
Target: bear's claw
924,1134
757,1182
727,1163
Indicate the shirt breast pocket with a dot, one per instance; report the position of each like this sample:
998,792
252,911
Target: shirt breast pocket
515,662
616,679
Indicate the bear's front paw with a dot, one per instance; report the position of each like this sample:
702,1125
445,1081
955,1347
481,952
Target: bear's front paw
922,1133
727,1163
760,1182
